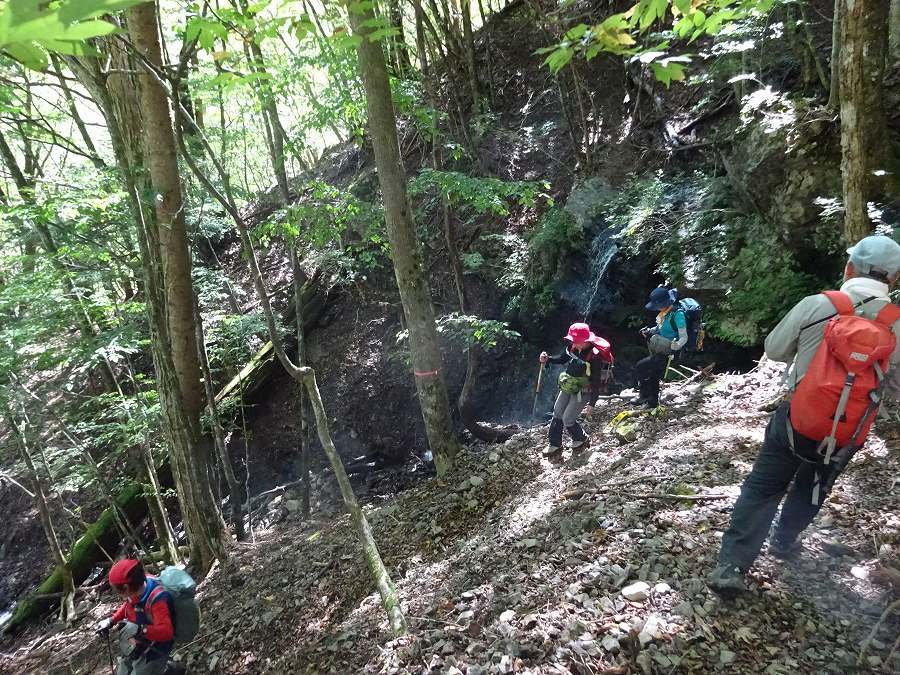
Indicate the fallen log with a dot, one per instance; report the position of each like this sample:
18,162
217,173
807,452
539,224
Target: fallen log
83,556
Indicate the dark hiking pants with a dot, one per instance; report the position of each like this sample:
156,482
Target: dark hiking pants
774,469
649,372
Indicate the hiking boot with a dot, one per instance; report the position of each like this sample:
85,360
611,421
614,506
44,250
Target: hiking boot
784,551
552,452
727,580
578,448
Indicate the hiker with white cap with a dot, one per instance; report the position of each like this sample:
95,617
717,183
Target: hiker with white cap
845,358
588,364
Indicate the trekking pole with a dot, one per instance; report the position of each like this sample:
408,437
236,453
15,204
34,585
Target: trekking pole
668,365
112,668
537,390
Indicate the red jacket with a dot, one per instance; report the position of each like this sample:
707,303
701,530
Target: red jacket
150,610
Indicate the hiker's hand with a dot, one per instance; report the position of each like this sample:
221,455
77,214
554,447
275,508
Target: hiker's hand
104,626
543,357
588,410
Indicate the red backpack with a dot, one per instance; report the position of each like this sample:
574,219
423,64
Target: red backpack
837,399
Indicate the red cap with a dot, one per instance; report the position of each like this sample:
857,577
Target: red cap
580,332
119,572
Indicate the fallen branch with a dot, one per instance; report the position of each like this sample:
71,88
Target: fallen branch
677,498
706,372
599,489
884,615
5,476
78,591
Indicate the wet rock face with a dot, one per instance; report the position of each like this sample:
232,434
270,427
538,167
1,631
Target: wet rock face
784,159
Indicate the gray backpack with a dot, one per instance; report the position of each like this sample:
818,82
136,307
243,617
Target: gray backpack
186,617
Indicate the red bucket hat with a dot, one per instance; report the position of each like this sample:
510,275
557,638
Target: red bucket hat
118,573
580,332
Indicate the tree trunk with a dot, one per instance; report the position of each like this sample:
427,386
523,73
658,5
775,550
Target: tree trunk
405,250
162,163
894,34
834,93
863,131
469,40
370,549
303,440
398,42
73,112
234,486
67,604
169,294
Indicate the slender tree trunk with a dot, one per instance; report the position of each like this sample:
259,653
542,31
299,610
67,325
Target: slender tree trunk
380,574
269,107
167,273
234,486
864,29
76,116
834,93
894,34
165,536
469,40
398,42
405,250
67,604
303,440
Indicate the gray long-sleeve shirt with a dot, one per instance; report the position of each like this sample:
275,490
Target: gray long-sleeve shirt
788,344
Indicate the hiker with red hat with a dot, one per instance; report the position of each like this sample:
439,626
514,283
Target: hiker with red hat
845,358
588,363
146,639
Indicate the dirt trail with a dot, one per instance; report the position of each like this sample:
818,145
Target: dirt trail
499,573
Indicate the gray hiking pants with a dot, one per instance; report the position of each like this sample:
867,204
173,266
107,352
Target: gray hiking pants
127,665
568,407
776,469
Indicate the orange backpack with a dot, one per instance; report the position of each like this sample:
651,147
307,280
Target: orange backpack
837,399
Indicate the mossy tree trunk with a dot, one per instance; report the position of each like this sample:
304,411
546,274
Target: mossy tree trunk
406,253
863,49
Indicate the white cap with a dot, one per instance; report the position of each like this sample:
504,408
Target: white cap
876,253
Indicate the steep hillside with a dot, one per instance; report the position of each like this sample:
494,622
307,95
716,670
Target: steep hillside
513,564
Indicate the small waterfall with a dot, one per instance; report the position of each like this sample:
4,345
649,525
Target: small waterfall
603,251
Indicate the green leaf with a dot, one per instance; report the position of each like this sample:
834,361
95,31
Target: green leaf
699,18
559,58
29,54
667,72
576,32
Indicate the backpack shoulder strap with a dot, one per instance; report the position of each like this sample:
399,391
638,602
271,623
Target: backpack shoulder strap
842,302
889,315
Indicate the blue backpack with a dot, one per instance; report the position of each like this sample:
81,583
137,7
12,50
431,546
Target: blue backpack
693,316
